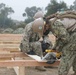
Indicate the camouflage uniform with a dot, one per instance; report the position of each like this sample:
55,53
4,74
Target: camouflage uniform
31,41
66,43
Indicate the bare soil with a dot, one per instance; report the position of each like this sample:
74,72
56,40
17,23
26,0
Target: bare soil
31,71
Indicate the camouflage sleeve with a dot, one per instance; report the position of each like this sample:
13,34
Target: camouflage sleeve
25,41
61,34
58,45
60,31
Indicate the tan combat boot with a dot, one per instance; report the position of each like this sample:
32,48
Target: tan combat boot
40,68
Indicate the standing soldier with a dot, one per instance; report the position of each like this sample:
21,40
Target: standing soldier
65,33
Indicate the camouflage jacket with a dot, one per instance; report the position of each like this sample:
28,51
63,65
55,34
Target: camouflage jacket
61,34
30,36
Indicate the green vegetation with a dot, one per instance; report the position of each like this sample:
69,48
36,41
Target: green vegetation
5,21
29,13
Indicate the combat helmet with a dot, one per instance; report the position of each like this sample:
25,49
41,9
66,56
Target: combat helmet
39,14
38,26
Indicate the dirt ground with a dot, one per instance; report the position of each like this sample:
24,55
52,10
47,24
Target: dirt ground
31,71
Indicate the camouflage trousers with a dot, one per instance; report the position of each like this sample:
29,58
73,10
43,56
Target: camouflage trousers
68,58
36,47
67,61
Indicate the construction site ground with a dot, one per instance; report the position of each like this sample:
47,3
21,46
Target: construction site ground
32,71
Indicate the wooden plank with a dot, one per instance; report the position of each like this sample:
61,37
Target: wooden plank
16,69
9,45
10,42
25,63
10,37
12,55
6,58
21,70
4,52
11,49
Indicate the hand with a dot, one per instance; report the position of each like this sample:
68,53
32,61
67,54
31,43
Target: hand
31,52
41,39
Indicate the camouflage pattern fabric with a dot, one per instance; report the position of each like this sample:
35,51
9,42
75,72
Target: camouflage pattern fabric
66,43
31,41
61,35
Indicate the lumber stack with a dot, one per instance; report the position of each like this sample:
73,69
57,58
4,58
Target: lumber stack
11,56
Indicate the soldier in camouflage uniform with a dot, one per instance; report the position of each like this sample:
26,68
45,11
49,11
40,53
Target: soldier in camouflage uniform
31,43
66,43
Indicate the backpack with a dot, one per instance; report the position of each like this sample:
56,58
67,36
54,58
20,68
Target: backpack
67,14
